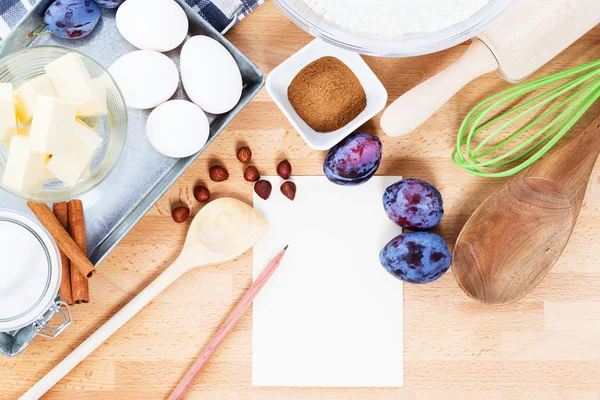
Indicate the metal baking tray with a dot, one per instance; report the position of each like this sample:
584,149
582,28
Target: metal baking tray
142,175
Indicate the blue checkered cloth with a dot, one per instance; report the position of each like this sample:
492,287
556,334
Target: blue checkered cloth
11,12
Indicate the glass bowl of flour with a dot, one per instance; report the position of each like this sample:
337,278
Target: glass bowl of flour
393,28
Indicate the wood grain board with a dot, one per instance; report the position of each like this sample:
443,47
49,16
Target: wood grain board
546,346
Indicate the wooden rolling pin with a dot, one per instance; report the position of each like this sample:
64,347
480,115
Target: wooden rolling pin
528,35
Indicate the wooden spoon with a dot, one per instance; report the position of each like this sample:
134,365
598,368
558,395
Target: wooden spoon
222,230
514,238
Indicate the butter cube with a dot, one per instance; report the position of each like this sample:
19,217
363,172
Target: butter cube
21,132
26,96
25,168
98,105
70,167
24,130
52,126
70,79
49,175
8,117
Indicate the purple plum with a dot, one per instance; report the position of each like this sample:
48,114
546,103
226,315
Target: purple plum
414,204
354,160
109,3
72,19
416,257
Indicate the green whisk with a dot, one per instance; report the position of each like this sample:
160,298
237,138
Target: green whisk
487,143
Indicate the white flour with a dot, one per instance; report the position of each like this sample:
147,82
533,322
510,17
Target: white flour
395,17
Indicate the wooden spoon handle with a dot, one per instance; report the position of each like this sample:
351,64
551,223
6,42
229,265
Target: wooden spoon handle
104,332
570,167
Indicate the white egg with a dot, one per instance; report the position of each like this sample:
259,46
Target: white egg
210,75
146,78
159,25
177,128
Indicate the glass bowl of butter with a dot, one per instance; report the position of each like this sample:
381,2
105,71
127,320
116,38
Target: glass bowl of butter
63,123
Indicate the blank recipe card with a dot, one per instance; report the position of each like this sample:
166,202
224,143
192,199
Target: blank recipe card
330,315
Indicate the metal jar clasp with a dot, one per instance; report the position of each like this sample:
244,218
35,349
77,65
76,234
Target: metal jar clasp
40,326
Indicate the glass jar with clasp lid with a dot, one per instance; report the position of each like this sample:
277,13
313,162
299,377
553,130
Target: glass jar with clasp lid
30,274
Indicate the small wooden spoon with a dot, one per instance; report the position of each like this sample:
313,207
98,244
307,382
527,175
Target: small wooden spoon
222,230
515,237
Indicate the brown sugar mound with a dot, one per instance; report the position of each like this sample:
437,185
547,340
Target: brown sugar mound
327,95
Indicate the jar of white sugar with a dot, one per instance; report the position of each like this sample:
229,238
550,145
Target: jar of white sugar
30,274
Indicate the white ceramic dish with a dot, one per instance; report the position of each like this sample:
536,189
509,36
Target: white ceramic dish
281,77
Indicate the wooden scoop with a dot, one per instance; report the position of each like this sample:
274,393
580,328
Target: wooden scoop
222,230
515,237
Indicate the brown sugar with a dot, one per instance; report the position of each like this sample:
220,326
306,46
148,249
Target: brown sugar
327,95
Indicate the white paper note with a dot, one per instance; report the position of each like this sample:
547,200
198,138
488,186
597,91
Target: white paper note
330,315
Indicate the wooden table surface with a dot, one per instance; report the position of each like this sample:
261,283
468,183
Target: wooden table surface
546,346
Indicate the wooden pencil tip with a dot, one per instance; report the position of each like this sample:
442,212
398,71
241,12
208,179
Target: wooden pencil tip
286,247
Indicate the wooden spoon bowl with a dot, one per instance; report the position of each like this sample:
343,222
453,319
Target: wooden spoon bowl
224,229
512,240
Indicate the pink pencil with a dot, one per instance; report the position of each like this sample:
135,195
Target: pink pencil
227,326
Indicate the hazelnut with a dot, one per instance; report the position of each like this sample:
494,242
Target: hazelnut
244,154
218,173
284,169
201,193
289,190
251,174
180,214
263,189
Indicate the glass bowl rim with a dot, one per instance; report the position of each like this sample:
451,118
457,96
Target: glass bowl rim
414,46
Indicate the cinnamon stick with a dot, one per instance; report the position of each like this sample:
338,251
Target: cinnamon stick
60,211
79,284
63,240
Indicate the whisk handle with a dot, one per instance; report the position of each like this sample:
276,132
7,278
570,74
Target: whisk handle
417,105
